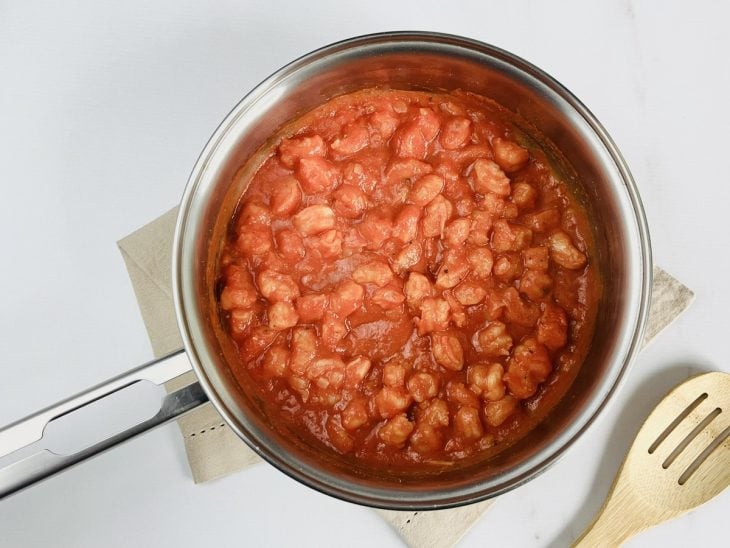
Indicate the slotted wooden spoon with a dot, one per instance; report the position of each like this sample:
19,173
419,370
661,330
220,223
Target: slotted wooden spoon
679,460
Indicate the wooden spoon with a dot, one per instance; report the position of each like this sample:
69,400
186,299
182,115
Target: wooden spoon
679,460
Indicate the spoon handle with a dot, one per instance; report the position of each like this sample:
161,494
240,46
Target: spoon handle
620,517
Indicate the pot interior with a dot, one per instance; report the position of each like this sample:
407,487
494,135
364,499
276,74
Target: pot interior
432,63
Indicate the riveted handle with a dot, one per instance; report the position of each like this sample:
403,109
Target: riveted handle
19,470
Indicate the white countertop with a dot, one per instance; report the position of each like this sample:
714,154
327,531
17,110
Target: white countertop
103,111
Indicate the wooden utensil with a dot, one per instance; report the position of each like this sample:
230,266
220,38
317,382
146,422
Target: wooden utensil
679,460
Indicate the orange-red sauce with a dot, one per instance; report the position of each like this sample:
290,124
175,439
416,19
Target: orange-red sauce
405,281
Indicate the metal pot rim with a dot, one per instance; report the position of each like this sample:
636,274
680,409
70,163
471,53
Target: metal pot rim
398,499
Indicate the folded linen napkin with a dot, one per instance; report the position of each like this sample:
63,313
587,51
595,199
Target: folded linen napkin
214,451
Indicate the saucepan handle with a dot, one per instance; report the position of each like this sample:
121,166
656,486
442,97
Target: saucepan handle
21,469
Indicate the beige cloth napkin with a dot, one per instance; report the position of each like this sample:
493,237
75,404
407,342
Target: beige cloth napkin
214,451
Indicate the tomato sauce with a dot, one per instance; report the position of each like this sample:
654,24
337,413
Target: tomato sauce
406,280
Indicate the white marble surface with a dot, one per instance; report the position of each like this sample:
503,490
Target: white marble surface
104,107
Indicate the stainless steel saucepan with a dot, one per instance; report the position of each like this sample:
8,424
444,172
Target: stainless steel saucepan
409,60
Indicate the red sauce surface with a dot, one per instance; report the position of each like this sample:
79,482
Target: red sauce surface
404,281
